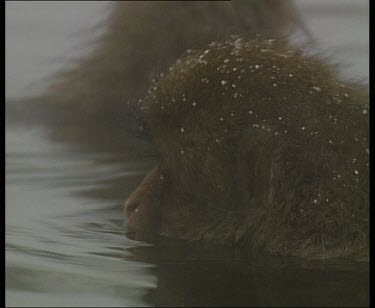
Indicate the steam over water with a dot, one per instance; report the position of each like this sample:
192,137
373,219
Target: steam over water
64,228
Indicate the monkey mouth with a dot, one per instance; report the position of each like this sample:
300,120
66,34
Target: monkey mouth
143,236
131,235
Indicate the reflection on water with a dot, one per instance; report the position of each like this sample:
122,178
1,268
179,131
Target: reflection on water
191,276
65,245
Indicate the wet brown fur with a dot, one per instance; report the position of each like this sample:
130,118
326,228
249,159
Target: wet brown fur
264,148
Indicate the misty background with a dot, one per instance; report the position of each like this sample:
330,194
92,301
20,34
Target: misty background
43,37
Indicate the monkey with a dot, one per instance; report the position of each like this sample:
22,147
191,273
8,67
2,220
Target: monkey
261,146
93,104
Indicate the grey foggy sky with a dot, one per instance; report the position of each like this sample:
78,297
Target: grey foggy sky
41,36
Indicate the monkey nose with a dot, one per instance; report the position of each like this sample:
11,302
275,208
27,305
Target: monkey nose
131,207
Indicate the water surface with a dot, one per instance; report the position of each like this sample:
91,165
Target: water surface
65,245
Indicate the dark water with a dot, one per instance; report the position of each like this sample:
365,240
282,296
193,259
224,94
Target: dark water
64,228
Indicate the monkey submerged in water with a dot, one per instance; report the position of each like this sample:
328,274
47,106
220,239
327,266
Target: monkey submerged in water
261,146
